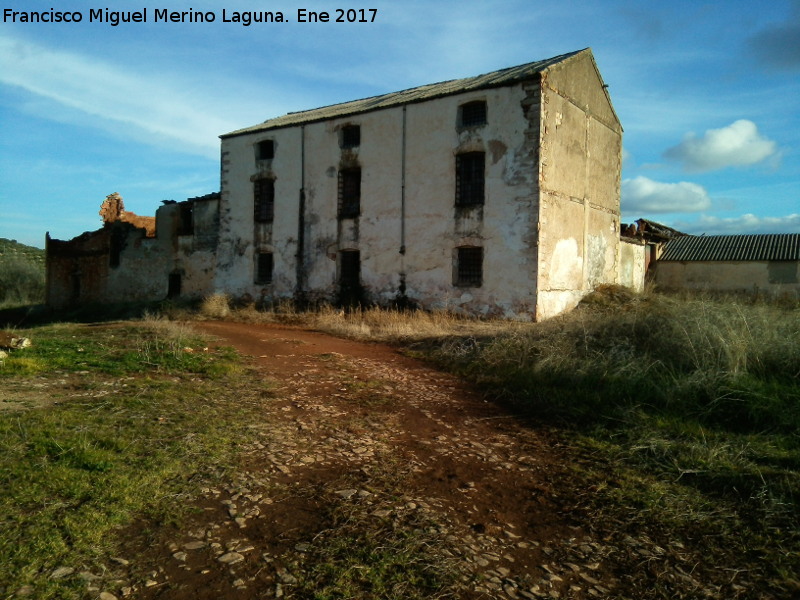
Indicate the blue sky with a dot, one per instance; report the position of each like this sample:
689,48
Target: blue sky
708,94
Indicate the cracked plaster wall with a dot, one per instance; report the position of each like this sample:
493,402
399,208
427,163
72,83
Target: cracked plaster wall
579,182
504,226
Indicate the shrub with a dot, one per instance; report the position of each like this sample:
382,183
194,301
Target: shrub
21,282
215,306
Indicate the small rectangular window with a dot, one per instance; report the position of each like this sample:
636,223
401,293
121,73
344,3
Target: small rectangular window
469,178
473,114
264,267
265,150
349,193
351,136
174,285
469,268
264,200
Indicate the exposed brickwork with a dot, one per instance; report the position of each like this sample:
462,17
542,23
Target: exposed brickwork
113,209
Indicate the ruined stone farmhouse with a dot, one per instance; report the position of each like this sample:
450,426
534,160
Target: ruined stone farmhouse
491,195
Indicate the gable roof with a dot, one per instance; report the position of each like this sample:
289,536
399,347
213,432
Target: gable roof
500,78
771,246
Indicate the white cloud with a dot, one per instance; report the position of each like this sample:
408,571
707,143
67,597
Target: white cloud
738,145
143,107
641,194
744,224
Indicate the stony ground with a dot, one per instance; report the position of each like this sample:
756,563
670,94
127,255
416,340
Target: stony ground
358,433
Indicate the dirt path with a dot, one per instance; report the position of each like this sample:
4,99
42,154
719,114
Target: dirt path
359,430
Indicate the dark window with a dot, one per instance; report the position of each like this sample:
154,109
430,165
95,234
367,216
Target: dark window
350,277
469,178
174,285
473,114
264,201
264,267
469,270
265,150
349,193
351,136
186,218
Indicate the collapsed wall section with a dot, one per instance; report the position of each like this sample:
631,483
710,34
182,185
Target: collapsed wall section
122,262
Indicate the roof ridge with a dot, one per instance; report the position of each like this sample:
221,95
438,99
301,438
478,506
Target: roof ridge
497,78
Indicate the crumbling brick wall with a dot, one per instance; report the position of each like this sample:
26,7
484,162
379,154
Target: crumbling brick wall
113,209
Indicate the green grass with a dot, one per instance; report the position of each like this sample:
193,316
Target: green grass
364,561
137,422
360,556
680,416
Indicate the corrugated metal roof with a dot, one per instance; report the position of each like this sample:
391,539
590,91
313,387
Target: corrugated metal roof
499,78
778,246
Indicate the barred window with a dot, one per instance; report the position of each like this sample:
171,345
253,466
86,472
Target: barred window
265,150
472,114
351,136
469,267
470,178
264,264
264,200
349,193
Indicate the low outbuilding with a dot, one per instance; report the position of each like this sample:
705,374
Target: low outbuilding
766,264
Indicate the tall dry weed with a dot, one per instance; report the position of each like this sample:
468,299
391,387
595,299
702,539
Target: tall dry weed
389,325
720,360
216,306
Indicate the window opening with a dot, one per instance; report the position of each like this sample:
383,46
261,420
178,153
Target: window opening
266,149
349,193
469,270
470,178
264,267
473,113
351,136
264,201
174,285
350,277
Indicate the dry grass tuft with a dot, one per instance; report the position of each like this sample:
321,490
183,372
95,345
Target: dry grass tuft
216,306
387,325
